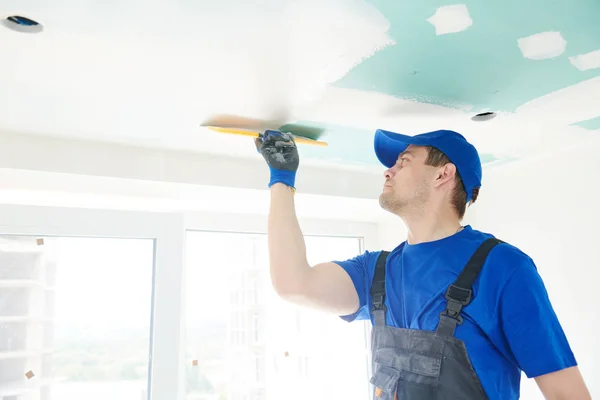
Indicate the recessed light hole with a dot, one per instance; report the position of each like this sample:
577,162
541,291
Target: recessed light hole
484,116
22,24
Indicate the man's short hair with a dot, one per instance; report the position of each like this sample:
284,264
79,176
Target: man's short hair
436,158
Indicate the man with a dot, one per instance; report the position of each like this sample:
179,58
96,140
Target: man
457,313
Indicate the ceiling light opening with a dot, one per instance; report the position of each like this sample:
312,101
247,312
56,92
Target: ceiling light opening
484,116
22,24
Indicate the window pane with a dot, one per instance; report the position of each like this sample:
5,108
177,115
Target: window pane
74,318
244,342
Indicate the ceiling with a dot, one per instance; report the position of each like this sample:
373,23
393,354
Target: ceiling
149,73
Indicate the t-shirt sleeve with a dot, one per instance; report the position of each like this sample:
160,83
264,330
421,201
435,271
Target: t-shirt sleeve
358,268
531,327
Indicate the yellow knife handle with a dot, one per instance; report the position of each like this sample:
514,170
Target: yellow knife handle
234,131
302,140
244,132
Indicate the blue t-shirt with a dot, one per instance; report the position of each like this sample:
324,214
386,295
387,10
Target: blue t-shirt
509,326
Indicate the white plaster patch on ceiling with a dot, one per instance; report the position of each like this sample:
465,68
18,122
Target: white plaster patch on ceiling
566,106
542,46
583,62
369,110
451,19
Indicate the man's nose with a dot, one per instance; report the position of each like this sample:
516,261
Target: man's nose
389,173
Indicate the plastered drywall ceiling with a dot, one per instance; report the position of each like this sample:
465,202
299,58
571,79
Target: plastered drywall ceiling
150,72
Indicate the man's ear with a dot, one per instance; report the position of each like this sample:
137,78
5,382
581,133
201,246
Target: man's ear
445,174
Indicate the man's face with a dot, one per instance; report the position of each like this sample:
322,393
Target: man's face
408,184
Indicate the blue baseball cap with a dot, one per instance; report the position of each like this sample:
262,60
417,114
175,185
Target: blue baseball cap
389,145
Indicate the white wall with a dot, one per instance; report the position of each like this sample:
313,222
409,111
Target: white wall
33,153
548,207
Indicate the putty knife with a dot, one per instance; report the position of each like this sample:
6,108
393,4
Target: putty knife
302,134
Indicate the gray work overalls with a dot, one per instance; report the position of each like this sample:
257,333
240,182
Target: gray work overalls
418,365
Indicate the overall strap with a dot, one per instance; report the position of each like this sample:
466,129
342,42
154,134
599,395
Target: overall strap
459,293
378,290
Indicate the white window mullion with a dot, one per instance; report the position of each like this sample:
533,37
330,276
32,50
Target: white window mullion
168,372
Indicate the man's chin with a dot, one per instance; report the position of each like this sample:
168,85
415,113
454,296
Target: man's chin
388,203
384,202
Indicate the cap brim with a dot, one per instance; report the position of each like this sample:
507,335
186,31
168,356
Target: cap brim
389,145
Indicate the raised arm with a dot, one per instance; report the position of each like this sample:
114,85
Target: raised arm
325,286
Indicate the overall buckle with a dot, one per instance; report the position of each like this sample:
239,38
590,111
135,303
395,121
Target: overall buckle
453,311
378,303
458,318
459,295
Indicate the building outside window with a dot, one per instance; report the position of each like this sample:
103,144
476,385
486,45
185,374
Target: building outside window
74,318
256,346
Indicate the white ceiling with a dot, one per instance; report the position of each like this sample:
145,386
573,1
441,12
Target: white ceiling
148,73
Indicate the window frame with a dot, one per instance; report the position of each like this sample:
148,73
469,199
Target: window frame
366,232
168,230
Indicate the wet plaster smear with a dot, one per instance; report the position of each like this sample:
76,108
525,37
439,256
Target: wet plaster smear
302,48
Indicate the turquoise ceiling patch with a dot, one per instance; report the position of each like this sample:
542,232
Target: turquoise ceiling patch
488,158
491,55
347,144
350,145
591,124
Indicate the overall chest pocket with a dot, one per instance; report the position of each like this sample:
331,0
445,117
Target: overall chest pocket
404,371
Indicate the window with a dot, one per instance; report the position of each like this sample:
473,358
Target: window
277,345
74,317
